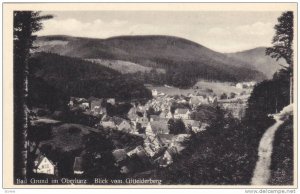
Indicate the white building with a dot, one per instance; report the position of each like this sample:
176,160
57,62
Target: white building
182,113
42,165
154,93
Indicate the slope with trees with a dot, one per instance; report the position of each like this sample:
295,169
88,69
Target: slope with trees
184,61
76,77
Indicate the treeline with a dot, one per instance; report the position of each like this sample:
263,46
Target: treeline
76,77
185,76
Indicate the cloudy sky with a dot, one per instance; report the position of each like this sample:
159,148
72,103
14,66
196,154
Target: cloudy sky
220,31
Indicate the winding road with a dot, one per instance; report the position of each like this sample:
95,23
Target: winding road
262,170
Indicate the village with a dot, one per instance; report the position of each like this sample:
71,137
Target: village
164,123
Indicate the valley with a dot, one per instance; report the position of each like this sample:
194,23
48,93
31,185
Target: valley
138,106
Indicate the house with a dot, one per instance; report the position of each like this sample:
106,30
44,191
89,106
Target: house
151,151
139,151
125,170
239,85
143,120
198,100
154,93
132,114
96,106
141,108
135,151
77,167
121,124
203,127
111,101
81,100
157,127
42,165
167,158
119,155
192,124
213,100
84,105
178,142
164,140
166,114
182,113
154,118
71,102
161,94
107,122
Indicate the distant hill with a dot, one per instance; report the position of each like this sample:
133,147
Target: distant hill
259,60
175,55
77,77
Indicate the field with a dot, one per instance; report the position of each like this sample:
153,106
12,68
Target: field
202,87
124,67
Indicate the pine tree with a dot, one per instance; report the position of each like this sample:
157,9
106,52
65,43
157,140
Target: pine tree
25,24
283,44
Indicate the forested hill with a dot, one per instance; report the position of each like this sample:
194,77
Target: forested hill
175,55
76,77
257,58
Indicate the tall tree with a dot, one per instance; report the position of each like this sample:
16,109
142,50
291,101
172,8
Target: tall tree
283,44
24,25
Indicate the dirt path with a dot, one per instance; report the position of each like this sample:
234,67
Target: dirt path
262,170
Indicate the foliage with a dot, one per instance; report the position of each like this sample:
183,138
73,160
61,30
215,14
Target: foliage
81,78
204,113
98,158
38,133
184,61
219,155
223,96
38,95
268,97
283,44
118,109
283,39
79,117
282,165
232,95
176,126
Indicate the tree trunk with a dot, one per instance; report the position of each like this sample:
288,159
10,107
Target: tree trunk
21,118
291,88
25,125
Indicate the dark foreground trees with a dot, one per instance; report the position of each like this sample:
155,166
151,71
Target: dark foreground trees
25,24
283,44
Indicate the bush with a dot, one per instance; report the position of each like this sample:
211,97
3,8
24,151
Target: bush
74,130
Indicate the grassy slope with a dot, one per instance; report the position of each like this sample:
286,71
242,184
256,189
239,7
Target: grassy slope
123,67
282,158
218,88
63,139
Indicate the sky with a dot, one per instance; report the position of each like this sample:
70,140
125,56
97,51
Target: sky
220,31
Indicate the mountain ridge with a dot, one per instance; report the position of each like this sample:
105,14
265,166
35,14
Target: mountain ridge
259,60
156,51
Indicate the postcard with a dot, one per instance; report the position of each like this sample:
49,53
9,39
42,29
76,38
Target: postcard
150,95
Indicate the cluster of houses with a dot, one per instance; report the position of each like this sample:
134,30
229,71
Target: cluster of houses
92,105
245,85
159,146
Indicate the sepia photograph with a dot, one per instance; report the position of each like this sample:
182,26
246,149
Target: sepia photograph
161,95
